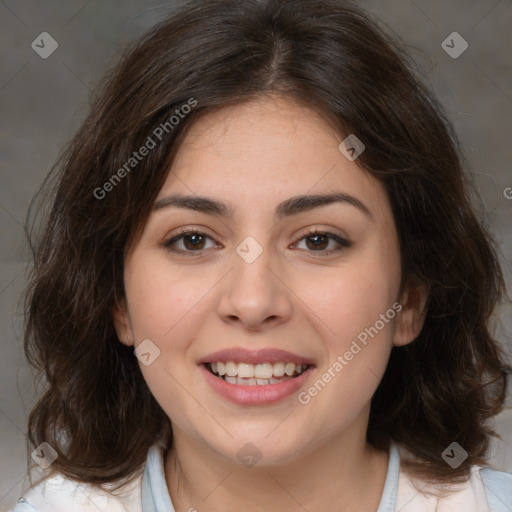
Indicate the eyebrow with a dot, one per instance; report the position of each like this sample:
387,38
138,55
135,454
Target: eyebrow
292,206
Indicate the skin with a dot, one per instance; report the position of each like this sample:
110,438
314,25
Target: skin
315,456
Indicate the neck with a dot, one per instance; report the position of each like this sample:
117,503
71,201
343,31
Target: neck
343,474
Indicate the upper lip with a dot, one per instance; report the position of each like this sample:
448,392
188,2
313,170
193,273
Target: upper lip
265,355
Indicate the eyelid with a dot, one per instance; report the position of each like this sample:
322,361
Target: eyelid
317,231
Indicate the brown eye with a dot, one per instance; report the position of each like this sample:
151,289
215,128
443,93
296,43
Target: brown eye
317,241
191,241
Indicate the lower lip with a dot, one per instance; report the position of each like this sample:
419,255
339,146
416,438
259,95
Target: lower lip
255,395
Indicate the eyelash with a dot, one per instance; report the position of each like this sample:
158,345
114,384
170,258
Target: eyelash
306,234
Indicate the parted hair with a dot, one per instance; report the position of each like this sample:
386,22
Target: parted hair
94,407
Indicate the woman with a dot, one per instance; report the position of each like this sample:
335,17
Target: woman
262,283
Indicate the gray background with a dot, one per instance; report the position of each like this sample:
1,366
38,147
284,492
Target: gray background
43,101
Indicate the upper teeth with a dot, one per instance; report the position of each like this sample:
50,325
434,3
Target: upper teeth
258,371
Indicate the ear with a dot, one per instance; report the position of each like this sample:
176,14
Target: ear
410,319
122,325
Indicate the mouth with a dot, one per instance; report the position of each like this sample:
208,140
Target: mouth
260,374
255,377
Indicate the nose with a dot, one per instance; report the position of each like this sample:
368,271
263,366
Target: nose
255,294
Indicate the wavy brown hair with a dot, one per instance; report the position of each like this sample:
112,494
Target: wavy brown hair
96,410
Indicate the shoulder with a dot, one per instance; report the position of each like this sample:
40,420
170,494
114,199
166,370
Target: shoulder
61,494
498,486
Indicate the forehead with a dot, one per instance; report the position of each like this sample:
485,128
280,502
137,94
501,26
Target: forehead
265,151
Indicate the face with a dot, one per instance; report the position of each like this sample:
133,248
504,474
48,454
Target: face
284,259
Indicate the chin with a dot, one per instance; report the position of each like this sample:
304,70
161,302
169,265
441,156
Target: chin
261,449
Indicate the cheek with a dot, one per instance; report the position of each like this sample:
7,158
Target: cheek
161,299
351,299
358,344
353,311
164,307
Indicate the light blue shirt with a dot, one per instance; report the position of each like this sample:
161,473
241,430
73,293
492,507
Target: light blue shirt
498,486
154,493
